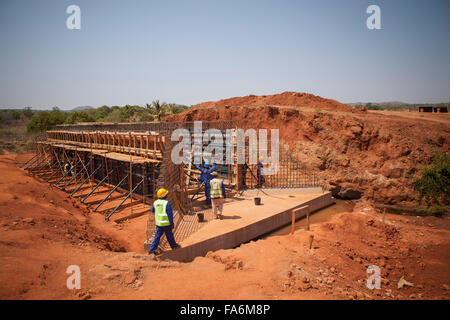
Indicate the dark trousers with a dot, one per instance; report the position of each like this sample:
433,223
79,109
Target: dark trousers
159,232
207,193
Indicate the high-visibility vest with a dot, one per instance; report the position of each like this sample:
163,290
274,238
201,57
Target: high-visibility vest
216,188
67,167
161,217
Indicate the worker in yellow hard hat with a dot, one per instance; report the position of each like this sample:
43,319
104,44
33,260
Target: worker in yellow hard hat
163,220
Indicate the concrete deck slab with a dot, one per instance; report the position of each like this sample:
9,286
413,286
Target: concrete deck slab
244,221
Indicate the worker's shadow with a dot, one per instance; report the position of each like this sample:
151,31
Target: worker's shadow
231,217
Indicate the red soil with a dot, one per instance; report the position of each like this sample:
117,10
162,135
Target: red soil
374,153
293,99
42,232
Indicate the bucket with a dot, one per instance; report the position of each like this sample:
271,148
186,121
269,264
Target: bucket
200,217
257,201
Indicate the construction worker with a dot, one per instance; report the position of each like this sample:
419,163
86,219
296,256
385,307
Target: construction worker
163,220
259,176
206,178
244,175
67,168
217,195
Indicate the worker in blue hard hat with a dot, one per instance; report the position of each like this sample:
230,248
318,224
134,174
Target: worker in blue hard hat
163,220
205,178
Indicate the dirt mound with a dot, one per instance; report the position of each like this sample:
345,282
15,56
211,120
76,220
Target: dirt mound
35,209
372,154
292,99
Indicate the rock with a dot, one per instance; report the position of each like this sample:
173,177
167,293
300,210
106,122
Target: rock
348,194
392,169
111,275
399,266
335,190
402,282
129,278
446,287
29,220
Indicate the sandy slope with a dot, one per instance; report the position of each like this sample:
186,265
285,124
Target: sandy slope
42,233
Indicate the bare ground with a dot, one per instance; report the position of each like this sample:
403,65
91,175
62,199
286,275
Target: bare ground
42,232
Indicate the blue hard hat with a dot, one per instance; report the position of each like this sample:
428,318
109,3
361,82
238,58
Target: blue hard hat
206,165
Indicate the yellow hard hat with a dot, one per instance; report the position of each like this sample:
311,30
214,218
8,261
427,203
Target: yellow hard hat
162,193
261,158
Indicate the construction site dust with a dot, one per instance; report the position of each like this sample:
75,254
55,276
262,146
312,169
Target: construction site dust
84,199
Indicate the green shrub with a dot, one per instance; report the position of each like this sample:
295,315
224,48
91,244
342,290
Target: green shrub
16,115
114,116
433,185
44,120
79,116
439,210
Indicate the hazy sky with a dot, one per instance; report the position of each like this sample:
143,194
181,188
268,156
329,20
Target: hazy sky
132,52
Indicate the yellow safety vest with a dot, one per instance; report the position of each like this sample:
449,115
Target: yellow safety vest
69,165
161,217
216,188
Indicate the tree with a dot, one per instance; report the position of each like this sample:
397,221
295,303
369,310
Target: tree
16,115
115,116
158,108
176,108
79,116
28,113
44,120
102,112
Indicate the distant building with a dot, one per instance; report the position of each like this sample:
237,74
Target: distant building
435,109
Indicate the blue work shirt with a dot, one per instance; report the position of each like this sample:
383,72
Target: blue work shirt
168,211
259,166
206,173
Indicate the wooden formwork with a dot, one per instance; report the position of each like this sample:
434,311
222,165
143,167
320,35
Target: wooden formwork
130,162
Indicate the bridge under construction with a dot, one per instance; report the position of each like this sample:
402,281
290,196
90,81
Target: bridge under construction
116,168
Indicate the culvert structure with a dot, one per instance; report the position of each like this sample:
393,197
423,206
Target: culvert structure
116,169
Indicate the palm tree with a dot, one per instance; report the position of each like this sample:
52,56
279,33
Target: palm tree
157,108
173,108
